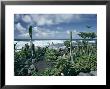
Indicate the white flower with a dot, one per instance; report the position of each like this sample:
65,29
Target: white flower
62,74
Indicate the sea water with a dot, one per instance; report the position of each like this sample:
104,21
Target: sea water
42,43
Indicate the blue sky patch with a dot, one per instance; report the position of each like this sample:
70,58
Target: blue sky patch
53,26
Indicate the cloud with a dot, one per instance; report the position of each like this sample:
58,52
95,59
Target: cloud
68,32
20,28
16,17
26,18
52,19
24,35
49,26
43,33
46,19
73,31
63,18
20,31
42,19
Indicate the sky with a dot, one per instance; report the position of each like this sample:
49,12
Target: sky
53,26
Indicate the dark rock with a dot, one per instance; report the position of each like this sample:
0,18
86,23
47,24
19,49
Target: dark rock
93,73
83,74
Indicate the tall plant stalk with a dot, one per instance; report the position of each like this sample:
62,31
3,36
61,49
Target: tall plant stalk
71,57
31,43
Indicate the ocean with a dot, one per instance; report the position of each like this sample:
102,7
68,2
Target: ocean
43,43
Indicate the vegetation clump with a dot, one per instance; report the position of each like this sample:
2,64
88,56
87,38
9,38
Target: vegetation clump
83,55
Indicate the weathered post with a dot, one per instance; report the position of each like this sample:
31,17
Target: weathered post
71,57
30,33
31,67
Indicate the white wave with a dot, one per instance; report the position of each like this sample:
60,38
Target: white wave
41,43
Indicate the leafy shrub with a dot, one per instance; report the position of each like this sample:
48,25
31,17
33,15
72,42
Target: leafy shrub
85,64
51,55
39,53
67,43
84,56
